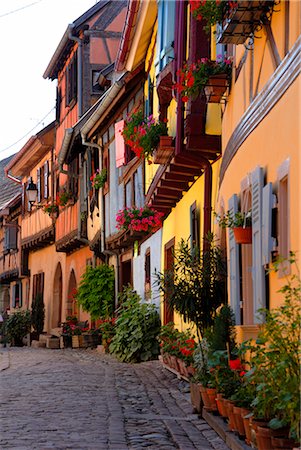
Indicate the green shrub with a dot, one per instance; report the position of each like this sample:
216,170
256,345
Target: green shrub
137,330
96,291
17,326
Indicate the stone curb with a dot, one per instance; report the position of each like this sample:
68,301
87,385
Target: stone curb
4,359
219,426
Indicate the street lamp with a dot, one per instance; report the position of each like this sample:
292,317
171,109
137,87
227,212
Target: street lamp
32,191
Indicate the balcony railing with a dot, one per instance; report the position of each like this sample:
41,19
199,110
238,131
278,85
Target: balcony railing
243,20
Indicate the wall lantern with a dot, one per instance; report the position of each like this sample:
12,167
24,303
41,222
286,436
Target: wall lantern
32,191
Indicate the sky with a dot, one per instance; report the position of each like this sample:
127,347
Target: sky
30,32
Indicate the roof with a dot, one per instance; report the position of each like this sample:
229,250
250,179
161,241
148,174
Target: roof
79,24
33,150
8,188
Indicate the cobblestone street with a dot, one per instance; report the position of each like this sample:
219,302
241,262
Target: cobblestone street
68,399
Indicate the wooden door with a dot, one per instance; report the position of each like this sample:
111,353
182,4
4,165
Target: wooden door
168,313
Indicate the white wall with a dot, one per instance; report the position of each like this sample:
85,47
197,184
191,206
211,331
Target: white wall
154,243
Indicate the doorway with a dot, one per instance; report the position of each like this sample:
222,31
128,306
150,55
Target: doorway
56,315
168,313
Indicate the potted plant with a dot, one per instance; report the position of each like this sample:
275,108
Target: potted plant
275,358
51,209
212,11
142,134
193,78
240,223
17,326
145,220
137,330
63,197
196,285
96,291
107,331
99,179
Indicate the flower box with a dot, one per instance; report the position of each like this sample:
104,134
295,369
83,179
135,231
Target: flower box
164,151
216,87
243,235
241,21
77,341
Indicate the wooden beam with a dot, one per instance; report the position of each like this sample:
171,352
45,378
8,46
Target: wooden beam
168,193
272,43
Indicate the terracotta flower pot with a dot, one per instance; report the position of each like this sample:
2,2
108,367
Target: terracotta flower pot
195,397
182,368
221,405
205,397
283,443
174,363
239,423
164,150
211,392
216,87
243,235
230,414
247,424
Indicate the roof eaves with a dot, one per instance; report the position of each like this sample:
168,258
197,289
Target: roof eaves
51,71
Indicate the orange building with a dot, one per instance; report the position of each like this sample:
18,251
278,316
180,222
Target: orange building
260,169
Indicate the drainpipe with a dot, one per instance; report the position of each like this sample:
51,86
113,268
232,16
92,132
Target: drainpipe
8,175
101,206
79,69
180,146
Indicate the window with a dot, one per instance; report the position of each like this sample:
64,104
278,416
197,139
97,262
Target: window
166,34
58,104
17,295
10,236
283,216
147,275
38,285
73,177
246,261
71,81
148,107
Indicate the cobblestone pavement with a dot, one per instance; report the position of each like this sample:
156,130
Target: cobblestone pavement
79,399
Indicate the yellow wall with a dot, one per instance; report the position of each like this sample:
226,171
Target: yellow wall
177,224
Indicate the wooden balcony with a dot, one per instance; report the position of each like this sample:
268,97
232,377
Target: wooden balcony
68,236
172,180
37,230
125,239
243,20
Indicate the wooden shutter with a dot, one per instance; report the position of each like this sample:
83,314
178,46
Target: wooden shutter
13,230
20,294
39,184
6,239
119,144
268,242
259,300
166,33
23,198
14,296
234,265
46,177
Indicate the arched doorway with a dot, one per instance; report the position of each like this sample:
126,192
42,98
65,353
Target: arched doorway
72,309
56,316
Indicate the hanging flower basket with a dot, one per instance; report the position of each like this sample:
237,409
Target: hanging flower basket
216,87
145,220
164,151
243,235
